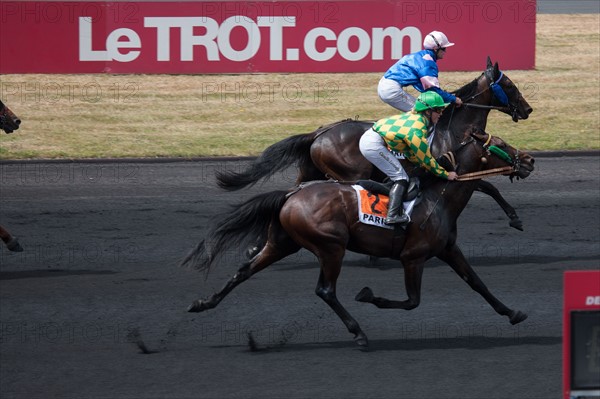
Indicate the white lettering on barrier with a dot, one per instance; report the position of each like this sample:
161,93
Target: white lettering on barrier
310,44
225,43
592,300
186,25
276,25
320,43
113,44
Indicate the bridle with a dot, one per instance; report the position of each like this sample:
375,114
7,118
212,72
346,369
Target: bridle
498,93
489,150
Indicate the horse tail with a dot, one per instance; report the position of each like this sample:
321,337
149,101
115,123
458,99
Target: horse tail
243,223
292,150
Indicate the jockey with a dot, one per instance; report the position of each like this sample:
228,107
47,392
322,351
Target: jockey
407,134
419,70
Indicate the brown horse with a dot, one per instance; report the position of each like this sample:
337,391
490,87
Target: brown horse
332,151
9,122
323,218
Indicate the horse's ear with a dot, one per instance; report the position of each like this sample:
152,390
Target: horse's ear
496,70
489,62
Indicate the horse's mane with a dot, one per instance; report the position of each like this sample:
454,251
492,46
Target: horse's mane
468,89
465,92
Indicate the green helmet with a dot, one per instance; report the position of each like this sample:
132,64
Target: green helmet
429,100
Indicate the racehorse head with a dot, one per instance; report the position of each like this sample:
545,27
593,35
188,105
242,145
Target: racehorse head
9,122
494,90
482,151
505,93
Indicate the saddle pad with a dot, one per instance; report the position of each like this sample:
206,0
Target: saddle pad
372,208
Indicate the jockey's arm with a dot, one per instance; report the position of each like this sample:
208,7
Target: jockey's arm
421,155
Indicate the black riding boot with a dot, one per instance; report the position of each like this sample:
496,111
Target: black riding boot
395,213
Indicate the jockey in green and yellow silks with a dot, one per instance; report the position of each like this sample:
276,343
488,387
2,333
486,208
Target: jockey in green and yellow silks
405,133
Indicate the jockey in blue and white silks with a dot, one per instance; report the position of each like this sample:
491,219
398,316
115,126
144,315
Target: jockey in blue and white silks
419,70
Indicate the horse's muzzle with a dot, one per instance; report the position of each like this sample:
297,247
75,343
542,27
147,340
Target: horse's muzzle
522,111
525,166
11,124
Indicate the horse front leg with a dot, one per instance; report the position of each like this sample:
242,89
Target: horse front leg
457,261
413,273
489,189
331,264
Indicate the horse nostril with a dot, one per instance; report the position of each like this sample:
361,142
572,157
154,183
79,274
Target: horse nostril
529,110
18,121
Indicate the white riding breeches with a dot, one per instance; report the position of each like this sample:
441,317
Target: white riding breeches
393,94
373,147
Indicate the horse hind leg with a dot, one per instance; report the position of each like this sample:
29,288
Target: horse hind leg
243,274
331,265
454,257
269,254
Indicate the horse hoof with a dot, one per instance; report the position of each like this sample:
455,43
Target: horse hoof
517,317
14,246
196,307
251,252
361,340
516,223
365,295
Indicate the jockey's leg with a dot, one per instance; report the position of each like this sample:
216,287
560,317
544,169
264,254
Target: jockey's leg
373,147
391,93
395,214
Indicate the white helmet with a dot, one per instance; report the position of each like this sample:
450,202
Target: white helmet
436,40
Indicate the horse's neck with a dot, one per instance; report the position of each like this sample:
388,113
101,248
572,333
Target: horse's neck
464,116
456,121
453,195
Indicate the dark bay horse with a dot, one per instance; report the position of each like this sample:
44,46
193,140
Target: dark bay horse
9,122
332,151
323,218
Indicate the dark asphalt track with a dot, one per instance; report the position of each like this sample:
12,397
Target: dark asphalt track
98,281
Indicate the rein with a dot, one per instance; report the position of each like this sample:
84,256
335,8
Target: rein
485,173
491,149
485,106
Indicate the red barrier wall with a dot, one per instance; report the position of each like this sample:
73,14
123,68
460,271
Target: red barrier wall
241,37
